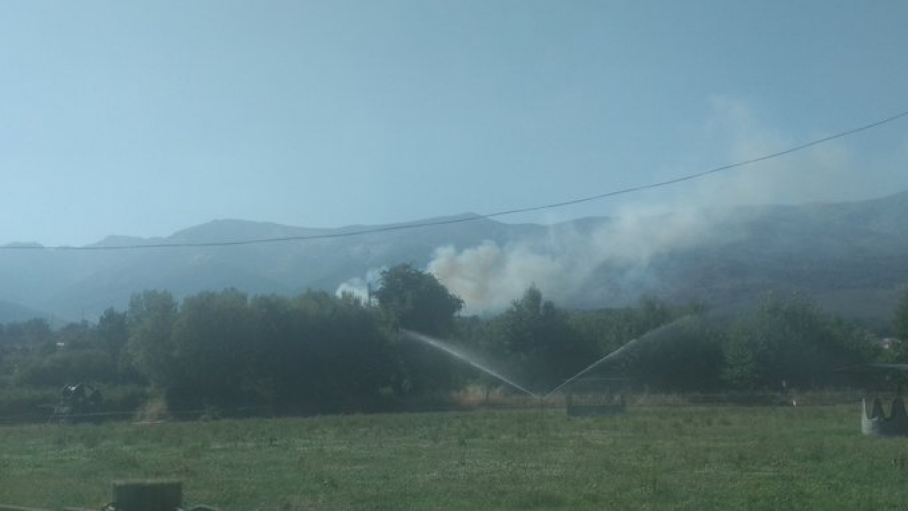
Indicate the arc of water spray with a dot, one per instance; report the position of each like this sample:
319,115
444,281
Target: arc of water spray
614,354
592,366
435,343
454,352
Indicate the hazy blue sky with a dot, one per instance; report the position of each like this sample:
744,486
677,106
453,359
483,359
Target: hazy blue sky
145,117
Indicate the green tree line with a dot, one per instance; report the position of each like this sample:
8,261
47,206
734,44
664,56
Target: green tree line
319,353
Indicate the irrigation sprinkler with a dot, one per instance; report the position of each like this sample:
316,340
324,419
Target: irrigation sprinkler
618,352
592,366
474,361
464,357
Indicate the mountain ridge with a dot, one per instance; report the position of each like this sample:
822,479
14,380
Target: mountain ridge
836,252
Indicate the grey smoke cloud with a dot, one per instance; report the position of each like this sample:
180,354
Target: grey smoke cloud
488,277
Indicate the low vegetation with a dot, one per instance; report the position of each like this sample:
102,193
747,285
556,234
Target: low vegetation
648,458
228,354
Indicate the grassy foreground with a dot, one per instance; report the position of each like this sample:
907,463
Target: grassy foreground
648,458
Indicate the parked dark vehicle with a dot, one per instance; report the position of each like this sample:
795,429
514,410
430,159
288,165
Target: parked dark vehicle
78,403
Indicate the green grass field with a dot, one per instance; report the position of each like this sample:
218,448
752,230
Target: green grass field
648,458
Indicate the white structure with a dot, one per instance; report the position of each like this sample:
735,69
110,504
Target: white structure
875,422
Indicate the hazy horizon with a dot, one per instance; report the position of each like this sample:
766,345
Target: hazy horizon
652,211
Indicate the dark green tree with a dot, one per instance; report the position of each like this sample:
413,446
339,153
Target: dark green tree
415,300
69,366
540,342
225,353
211,340
609,329
151,317
898,349
900,318
350,356
686,355
791,341
317,353
112,331
32,335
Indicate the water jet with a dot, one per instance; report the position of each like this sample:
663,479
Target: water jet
618,352
464,357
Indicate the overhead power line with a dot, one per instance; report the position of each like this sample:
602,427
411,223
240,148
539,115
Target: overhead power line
472,218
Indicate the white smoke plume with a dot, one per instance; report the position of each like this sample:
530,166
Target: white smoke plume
360,286
488,277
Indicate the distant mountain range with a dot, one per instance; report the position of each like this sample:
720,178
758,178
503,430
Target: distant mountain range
852,258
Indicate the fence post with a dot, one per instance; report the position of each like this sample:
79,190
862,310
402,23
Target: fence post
147,495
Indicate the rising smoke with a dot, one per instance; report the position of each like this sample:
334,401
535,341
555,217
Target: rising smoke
360,287
615,256
488,277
